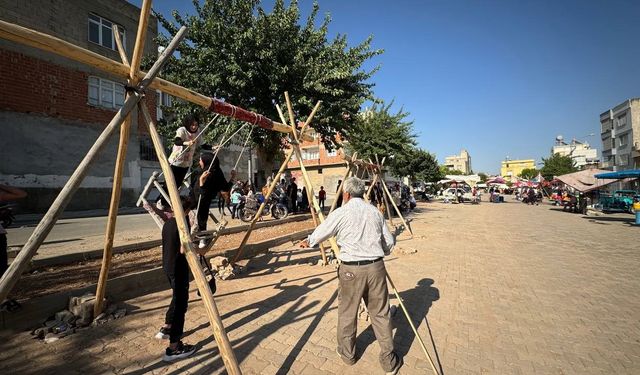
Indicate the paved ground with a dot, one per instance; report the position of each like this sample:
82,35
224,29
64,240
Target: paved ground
495,288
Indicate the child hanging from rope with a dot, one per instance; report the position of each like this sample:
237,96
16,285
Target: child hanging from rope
211,183
184,147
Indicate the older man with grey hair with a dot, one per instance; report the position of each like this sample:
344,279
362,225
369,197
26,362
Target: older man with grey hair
364,239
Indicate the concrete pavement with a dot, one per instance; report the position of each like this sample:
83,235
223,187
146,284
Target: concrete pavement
493,289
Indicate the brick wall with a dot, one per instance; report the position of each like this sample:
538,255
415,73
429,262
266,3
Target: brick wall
31,85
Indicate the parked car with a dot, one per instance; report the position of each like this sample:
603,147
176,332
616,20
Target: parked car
452,194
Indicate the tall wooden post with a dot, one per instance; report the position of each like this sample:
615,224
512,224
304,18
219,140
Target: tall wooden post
118,174
334,204
272,187
226,351
310,193
307,180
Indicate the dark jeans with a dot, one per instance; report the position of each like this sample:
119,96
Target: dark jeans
203,210
179,282
3,254
321,204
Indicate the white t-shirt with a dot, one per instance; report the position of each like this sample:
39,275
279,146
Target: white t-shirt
186,159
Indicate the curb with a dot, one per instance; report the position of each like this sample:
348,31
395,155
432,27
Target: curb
35,311
137,246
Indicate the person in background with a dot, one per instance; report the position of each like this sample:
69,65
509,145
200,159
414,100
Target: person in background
299,200
7,194
293,195
322,196
235,201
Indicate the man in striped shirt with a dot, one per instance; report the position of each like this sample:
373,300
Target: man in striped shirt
364,239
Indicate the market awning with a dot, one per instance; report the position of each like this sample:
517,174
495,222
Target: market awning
632,173
585,180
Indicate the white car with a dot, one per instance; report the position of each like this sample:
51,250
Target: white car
452,194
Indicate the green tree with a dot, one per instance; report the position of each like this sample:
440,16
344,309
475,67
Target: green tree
557,165
444,171
377,131
483,177
237,51
529,173
420,166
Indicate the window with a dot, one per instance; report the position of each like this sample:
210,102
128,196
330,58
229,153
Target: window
147,152
105,93
101,32
623,140
310,153
622,120
164,100
623,160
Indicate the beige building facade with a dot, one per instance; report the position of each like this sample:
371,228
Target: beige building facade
460,162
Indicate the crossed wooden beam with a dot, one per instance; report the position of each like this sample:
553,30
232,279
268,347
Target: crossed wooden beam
138,82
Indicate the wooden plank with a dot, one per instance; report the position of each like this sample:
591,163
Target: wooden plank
219,332
121,157
63,48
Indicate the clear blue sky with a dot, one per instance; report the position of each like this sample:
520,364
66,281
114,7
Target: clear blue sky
499,78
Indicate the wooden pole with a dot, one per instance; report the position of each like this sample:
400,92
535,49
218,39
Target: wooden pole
19,264
121,50
384,186
310,193
387,206
60,47
413,327
226,351
272,187
296,147
334,204
121,157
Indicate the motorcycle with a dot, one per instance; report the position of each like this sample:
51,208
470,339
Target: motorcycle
249,206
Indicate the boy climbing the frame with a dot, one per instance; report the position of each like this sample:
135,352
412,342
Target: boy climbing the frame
175,266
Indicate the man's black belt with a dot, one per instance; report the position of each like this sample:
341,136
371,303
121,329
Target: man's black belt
361,262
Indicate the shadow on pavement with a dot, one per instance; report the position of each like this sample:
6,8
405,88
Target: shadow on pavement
418,302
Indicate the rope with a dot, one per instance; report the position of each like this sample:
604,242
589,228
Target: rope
235,167
215,155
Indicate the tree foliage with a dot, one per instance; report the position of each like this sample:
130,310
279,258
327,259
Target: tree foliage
420,165
529,173
444,171
237,51
483,177
377,131
557,165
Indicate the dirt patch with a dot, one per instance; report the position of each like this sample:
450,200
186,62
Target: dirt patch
48,280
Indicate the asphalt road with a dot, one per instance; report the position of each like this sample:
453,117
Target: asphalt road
69,230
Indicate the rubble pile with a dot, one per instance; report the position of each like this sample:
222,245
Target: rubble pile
223,270
79,314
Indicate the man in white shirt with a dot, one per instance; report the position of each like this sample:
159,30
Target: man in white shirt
364,239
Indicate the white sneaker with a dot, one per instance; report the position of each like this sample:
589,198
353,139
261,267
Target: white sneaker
202,244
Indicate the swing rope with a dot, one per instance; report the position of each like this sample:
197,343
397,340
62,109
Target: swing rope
215,155
244,146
